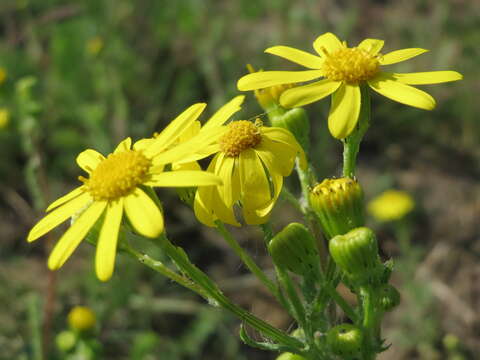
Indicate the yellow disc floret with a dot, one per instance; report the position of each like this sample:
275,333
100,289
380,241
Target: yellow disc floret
241,135
118,175
351,65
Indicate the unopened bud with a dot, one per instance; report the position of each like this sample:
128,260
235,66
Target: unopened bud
294,249
338,204
389,297
66,341
345,340
81,318
356,253
290,356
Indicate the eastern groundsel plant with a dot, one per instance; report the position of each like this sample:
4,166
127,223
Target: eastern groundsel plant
116,201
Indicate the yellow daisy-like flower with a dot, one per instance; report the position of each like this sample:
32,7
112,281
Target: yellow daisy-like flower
391,205
344,69
115,185
251,160
81,318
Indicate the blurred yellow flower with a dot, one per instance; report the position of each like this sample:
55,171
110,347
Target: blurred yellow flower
251,160
115,185
3,75
345,69
94,45
4,117
391,205
81,318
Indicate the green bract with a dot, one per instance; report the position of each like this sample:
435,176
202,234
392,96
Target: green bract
389,297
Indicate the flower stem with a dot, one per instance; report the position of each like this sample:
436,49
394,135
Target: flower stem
247,259
370,321
209,287
351,144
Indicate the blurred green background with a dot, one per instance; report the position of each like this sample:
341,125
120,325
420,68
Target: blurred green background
86,74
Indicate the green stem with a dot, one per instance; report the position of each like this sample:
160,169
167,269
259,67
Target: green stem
247,260
344,305
182,261
159,267
351,144
287,284
370,321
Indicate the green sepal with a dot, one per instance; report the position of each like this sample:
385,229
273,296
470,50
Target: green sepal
294,249
345,340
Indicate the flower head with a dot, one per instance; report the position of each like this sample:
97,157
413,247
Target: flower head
81,318
4,117
343,70
391,205
115,185
251,160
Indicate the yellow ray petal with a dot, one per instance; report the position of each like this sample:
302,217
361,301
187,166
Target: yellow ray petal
263,79
186,166
397,56
184,178
175,129
58,216
429,77
224,169
124,145
107,240
89,159
71,195
277,134
255,189
344,111
277,181
297,56
328,42
373,46
143,214
200,154
225,112
75,234
306,94
192,149
278,157
402,93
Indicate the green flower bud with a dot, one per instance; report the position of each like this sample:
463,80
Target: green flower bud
389,297
296,121
338,204
356,253
66,341
345,340
294,249
290,356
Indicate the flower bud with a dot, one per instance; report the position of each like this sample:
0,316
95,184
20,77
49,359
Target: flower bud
338,204
81,318
345,340
294,249
389,297
294,120
356,253
290,356
66,341
391,205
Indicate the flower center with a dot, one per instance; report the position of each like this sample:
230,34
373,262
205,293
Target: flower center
241,135
350,65
118,175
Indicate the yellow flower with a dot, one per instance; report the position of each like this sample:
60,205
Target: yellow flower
3,75
391,205
81,318
251,160
115,186
344,69
4,117
94,45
